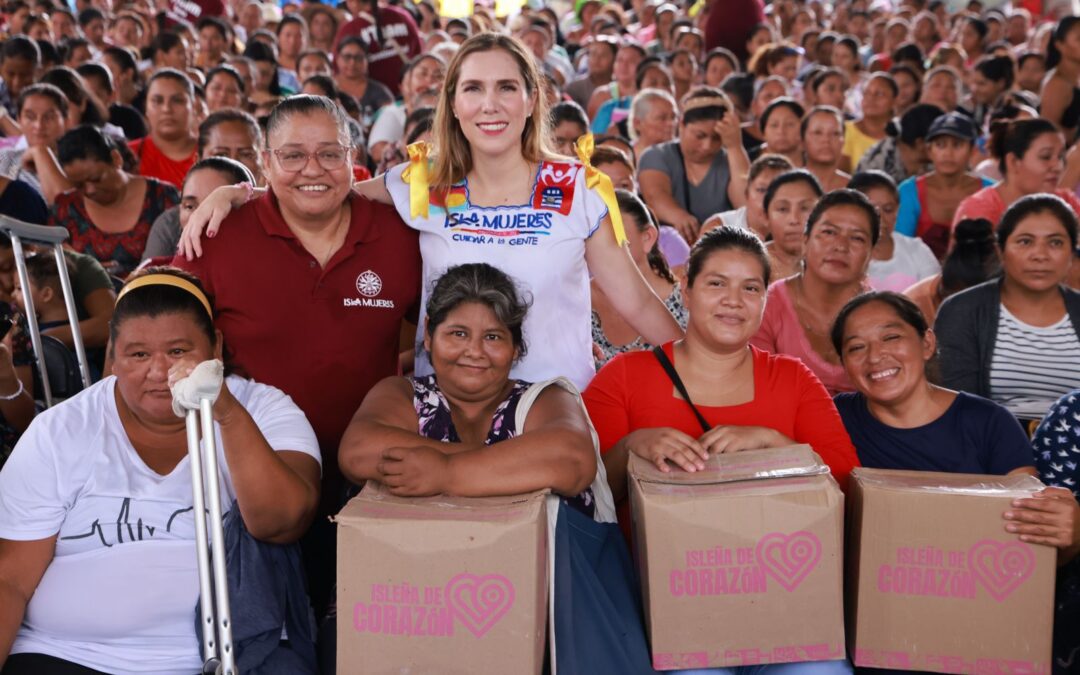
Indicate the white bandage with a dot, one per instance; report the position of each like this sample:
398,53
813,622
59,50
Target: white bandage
202,383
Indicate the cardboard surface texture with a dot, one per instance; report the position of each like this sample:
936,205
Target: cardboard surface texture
441,585
741,563
937,584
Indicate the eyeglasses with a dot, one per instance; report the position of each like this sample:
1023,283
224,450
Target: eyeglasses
329,158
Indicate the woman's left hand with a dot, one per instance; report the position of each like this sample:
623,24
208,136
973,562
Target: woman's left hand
730,438
414,472
730,130
1050,517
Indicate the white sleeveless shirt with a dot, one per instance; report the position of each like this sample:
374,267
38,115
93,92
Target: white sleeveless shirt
540,244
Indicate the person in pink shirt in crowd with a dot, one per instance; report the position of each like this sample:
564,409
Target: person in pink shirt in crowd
840,236
1031,157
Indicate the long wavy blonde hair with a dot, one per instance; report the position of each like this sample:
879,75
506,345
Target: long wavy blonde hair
453,159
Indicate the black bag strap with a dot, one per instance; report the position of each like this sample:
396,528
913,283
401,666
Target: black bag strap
669,368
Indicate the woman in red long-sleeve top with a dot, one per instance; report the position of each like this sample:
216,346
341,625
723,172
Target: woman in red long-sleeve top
747,397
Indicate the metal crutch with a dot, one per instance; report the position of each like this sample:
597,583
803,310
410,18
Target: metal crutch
217,645
18,230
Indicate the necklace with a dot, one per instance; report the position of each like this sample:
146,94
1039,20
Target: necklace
801,304
345,217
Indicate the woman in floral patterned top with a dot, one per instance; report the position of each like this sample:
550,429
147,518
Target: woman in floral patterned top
612,335
455,432
109,213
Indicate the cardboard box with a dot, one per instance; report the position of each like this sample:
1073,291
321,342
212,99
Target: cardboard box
441,584
741,563
937,584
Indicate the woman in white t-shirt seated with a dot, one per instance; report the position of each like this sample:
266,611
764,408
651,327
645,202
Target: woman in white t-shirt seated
897,261
97,562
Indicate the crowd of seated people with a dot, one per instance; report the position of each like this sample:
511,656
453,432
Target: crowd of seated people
693,227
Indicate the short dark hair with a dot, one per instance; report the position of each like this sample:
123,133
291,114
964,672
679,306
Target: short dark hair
237,172
906,310
768,162
726,238
782,102
869,180
89,14
165,41
220,24
46,90
224,116
846,197
225,69
1031,205
324,82
712,113
123,57
484,284
569,111
92,70
788,178
20,47
176,76
85,141
997,69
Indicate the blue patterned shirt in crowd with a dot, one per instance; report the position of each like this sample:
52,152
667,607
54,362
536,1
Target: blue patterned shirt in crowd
1057,457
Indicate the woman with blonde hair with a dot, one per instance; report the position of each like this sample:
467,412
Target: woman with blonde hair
490,190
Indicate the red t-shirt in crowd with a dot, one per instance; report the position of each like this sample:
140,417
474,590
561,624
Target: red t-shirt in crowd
323,336
987,203
156,164
729,23
633,392
390,46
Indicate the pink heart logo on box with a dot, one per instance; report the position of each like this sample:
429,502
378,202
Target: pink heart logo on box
479,601
1001,567
788,558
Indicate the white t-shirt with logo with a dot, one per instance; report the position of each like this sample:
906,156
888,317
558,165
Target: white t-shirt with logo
120,594
540,244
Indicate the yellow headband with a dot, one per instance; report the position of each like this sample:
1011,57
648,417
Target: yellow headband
167,280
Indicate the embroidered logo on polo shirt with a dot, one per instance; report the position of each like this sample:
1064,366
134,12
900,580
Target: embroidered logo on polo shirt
369,284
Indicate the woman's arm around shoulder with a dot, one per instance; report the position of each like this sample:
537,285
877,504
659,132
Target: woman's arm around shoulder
621,281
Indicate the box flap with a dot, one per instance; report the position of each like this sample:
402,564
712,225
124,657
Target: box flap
375,501
784,462
947,483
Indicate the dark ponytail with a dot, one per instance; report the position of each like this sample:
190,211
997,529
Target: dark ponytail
632,206
972,259
1061,31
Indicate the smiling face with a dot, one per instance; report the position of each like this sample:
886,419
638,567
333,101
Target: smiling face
471,352
168,109
491,103
787,215
838,247
883,355
143,352
1038,253
351,62
727,300
311,192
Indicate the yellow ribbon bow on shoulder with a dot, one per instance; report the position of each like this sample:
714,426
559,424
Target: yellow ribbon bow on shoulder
416,175
601,182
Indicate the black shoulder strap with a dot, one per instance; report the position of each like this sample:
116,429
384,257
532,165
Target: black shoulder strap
669,368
